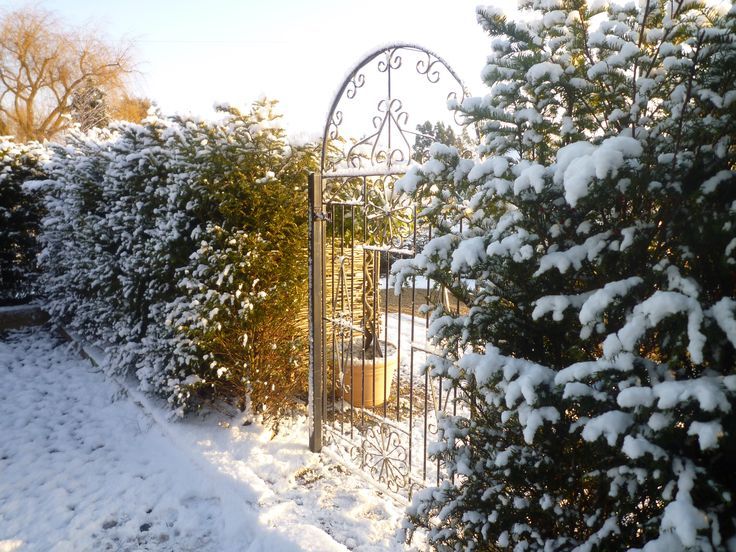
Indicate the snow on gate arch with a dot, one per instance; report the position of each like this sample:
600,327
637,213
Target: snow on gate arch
384,131
370,404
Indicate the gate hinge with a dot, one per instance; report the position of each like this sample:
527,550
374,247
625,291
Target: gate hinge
327,217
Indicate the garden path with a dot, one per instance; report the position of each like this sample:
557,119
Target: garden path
89,464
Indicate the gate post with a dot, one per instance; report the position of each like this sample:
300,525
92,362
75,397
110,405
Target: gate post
316,281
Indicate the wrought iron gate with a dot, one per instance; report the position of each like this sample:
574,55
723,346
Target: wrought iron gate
369,399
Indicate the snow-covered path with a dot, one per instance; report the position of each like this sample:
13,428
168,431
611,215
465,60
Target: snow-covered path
84,467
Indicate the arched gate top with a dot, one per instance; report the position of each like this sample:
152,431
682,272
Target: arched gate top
389,145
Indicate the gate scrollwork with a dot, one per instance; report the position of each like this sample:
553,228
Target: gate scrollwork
391,142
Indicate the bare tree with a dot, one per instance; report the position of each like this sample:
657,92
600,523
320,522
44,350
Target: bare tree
129,108
43,65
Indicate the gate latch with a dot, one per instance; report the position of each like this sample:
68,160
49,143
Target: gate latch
327,217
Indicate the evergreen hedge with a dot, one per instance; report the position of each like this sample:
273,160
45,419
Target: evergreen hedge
180,245
21,209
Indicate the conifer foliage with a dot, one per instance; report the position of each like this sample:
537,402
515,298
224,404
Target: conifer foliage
20,215
594,244
179,245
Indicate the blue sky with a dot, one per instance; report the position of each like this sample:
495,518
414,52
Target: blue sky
193,53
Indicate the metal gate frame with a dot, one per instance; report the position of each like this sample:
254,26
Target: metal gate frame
382,156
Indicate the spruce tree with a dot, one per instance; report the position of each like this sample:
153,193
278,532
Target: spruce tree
427,134
593,243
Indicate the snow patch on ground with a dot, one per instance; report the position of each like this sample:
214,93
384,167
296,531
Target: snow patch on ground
87,465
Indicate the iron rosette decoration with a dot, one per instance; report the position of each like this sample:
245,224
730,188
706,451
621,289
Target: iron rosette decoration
385,216
384,455
389,215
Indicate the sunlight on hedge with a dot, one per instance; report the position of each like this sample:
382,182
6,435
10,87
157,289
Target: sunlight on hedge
180,245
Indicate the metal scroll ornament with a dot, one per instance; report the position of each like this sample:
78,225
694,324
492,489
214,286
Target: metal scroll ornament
388,148
385,457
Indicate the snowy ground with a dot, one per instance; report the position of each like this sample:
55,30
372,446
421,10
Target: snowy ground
87,465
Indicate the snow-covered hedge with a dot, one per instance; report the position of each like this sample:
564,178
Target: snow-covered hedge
598,356
179,245
20,214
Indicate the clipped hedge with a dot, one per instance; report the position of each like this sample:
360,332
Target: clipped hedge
180,245
20,214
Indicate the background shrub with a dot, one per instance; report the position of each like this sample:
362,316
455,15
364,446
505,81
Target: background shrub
180,245
20,215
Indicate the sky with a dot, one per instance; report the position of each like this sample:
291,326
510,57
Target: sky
193,53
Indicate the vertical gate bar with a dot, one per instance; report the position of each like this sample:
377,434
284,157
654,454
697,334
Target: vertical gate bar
343,283
442,408
329,313
427,391
440,411
427,383
386,383
376,279
352,312
316,284
457,351
323,218
333,313
411,342
365,320
398,361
